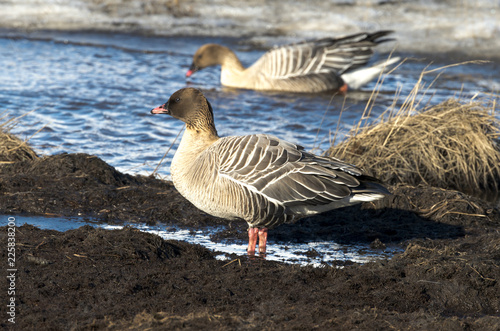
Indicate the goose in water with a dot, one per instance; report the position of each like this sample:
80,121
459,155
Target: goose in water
330,64
258,178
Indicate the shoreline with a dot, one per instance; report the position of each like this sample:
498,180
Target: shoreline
419,27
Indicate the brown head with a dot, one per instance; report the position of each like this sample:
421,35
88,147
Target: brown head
190,106
208,55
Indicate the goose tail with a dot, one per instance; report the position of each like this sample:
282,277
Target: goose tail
362,76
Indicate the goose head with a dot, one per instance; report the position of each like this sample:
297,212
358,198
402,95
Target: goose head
206,56
190,106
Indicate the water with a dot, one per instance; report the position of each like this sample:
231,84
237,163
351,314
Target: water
468,26
312,253
92,93
86,91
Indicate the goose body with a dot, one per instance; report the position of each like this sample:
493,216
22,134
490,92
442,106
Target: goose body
313,66
257,178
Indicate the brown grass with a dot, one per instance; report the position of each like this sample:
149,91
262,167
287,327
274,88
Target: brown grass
453,145
13,149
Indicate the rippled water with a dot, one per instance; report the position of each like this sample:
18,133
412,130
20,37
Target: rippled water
92,93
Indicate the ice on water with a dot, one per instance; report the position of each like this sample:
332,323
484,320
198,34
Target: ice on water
471,26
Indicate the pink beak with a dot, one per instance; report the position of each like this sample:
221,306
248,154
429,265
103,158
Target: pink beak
159,110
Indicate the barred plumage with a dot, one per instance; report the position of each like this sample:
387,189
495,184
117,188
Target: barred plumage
312,66
258,178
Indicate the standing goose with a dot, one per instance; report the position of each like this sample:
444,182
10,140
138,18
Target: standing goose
258,178
330,64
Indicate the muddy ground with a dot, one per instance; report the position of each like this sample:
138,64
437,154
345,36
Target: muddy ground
447,278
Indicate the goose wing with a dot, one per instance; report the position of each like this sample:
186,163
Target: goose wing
317,57
283,172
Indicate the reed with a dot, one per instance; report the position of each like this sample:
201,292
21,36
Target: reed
13,149
452,145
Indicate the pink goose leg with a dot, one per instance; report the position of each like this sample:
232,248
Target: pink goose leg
252,240
262,240
255,234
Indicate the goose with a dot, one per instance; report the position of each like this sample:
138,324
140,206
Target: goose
329,64
257,178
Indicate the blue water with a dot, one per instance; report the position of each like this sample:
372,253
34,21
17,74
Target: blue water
325,252
92,93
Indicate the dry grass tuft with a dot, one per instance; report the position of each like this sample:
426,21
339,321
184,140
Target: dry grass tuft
13,149
452,145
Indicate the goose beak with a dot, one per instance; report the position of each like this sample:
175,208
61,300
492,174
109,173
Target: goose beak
192,70
160,110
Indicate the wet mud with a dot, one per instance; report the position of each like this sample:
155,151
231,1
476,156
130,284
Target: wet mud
91,278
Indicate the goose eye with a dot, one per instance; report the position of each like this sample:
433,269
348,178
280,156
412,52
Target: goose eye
177,99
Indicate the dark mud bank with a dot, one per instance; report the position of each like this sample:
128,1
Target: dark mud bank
447,278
